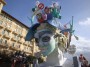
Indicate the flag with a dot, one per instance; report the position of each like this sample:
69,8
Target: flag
65,25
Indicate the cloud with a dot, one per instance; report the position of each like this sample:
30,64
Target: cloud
85,22
83,47
82,44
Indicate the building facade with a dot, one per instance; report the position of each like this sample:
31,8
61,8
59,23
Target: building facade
12,34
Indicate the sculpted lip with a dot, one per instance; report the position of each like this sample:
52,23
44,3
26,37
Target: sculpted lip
43,49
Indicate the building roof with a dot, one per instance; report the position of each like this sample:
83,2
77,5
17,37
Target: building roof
3,2
14,18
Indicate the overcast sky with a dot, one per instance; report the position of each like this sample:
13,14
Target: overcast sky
80,9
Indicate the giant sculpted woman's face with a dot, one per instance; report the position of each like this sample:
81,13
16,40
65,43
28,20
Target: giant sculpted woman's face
45,41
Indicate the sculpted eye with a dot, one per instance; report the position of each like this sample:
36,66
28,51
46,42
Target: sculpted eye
46,39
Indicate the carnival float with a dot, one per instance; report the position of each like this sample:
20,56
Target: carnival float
52,38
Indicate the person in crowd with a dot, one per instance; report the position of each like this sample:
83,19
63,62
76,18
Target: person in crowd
81,58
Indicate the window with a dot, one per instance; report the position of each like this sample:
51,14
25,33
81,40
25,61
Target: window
15,36
14,26
1,41
13,44
5,41
3,32
5,24
12,35
19,46
8,33
27,48
19,38
20,30
9,25
0,22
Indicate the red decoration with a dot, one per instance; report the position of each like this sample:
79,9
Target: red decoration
41,6
41,20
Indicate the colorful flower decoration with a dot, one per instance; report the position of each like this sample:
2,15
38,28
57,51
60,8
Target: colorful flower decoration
46,14
41,6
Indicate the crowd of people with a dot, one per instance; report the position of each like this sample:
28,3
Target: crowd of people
84,61
19,59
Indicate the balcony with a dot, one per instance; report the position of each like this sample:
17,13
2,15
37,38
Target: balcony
25,43
30,44
17,46
13,46
4,44
15,32
4,24
8,28
20,33
6,35
19,40
9,44
14,39
28,52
